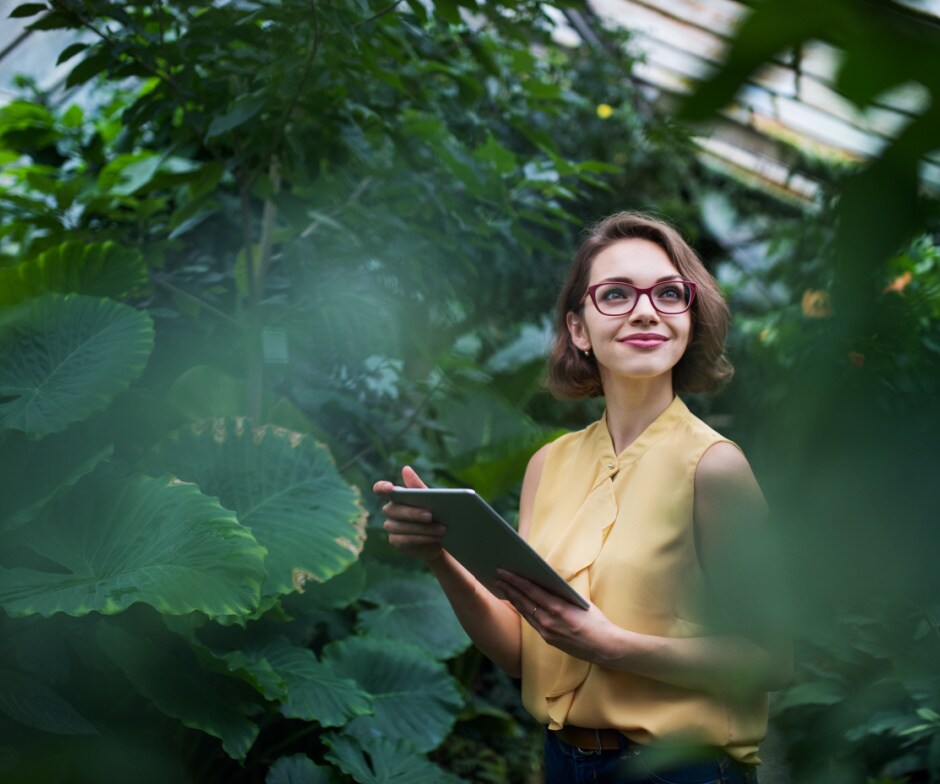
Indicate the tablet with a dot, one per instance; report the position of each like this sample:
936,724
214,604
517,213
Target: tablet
483,541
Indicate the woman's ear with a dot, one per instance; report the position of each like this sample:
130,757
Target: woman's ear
578,331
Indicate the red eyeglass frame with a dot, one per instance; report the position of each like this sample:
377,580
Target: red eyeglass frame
639,293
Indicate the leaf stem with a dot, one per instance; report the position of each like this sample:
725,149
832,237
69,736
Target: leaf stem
163,283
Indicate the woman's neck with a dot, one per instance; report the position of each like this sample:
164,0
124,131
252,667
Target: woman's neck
632,407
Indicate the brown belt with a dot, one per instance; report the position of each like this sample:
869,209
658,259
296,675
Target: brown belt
589,739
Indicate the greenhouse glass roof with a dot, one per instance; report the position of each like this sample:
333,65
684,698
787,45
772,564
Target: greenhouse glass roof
789,104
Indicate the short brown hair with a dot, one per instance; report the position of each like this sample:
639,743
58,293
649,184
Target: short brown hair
702,368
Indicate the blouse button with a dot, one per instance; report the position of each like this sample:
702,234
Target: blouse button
610,466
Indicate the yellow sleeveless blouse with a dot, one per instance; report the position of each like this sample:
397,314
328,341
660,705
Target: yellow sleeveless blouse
619,529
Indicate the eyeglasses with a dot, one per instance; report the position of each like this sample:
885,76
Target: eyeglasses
615,298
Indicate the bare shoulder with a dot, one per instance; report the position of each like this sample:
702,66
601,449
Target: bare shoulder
725,485
530,484
723,462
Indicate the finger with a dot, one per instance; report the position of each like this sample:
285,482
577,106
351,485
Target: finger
523,604
405,512
410,477
432,531
382,487
527,588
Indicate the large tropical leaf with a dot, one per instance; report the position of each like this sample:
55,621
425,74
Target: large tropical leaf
382,761
283,486
33,703
206,392
32,471
411,606
413,697
171,677
314,691
297,769
97,269
65,357
255,671
336,593
108,544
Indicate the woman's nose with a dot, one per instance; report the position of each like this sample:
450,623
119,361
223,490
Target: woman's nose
644,310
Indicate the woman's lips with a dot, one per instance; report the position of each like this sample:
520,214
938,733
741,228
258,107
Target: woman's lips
644,340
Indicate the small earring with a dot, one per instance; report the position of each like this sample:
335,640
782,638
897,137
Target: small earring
587,352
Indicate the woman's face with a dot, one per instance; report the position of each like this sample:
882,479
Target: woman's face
643,344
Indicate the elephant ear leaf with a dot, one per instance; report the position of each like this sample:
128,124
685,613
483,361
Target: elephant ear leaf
104,545
42,468
171,677
66,357
383,761
282,485
414,699
100,269
31,702
411,606
297,769
314,691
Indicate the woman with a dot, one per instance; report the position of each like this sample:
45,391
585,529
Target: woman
643,512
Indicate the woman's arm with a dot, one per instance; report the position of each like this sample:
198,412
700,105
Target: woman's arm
728,502
491,623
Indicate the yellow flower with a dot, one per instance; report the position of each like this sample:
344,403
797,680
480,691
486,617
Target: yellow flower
604,110
816,304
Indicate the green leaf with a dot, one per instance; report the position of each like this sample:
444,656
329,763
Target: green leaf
297,769
87,69
65,357
204,392
383,761
256,672
28,9
410,606
414,698
113,543
240,112
32,472
503,159
811,693
31,702
182,225
314,691
69,52
173,680
95,269
771,28
337,592
127,174
283,486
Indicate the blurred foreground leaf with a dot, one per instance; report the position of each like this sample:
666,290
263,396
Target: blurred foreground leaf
65,357
32,702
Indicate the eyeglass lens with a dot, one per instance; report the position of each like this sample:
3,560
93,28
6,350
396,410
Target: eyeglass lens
614,299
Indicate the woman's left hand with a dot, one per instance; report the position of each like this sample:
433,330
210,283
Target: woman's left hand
584,634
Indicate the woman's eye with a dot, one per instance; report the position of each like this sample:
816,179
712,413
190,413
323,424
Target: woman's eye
670,292
614,292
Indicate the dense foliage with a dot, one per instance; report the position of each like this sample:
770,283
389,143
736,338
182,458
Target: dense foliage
266,252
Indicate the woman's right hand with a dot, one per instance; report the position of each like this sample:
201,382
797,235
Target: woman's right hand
410,530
